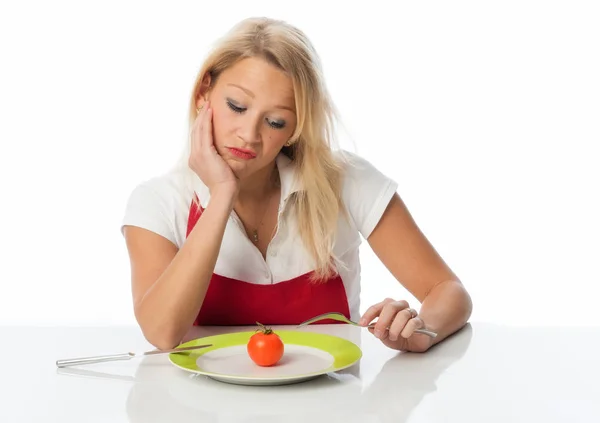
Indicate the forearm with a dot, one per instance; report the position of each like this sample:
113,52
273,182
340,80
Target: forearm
170,306
446,309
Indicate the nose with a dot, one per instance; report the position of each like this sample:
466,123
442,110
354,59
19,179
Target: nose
249,130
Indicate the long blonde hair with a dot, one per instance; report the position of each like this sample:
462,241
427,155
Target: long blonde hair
318,203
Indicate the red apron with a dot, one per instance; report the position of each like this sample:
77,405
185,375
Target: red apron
234,302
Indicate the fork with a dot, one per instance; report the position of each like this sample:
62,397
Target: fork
341,318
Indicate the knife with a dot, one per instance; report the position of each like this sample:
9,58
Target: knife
124,356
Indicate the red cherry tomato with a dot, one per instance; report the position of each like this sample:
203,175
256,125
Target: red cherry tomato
265,348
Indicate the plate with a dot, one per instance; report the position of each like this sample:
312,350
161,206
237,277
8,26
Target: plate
307,355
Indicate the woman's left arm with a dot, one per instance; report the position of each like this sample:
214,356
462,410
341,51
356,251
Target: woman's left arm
405,251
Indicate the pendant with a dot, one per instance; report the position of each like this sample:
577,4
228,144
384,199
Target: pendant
255,236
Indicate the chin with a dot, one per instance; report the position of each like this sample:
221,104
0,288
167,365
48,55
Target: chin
240,169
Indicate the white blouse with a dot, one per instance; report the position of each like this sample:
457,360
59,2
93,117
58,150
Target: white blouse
162,205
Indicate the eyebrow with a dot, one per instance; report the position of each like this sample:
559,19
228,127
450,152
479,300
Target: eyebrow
251,94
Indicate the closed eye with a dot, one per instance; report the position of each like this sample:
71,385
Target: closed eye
275,124
235,108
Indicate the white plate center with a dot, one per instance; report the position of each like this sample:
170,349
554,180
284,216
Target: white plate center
234,361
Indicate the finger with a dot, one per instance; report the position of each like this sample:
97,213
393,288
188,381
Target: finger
197,130
373,311
399,323
200,116
387,317
206,139
412,325
200,113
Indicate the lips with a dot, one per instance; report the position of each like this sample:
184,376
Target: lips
242,153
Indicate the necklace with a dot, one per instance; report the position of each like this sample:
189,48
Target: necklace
255,230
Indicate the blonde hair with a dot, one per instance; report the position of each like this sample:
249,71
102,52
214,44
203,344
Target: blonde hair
318,204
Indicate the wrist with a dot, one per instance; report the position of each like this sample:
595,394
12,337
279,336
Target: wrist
224,195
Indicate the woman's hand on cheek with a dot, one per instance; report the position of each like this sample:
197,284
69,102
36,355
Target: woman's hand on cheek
395,326
204,159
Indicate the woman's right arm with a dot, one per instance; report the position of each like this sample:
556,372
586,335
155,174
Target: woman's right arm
168,285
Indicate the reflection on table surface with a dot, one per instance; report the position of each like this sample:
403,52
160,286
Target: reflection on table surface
486,373
385,386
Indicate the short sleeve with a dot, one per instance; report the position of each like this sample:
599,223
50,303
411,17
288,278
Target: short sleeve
148,208
366,192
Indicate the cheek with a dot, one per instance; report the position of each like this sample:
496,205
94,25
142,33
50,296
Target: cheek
221,124
275,139
280,136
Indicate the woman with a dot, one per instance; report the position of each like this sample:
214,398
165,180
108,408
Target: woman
264,220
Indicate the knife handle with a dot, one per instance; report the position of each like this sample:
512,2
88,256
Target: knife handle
94,359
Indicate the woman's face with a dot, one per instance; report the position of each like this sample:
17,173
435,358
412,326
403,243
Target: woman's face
254,114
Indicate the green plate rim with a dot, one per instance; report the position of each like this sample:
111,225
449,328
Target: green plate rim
345,353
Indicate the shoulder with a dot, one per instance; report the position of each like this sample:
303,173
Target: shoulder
164,189
355,167
366,190
161,205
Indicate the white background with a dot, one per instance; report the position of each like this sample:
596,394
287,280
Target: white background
486,113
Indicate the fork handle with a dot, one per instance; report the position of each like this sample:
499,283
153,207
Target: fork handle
94,359
422,331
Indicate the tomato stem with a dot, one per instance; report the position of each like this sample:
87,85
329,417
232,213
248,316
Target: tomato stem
264,329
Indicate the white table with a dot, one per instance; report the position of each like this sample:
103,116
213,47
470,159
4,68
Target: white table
486,373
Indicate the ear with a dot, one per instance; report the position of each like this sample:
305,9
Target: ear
204,90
